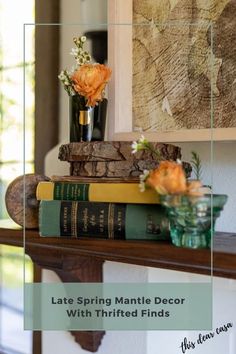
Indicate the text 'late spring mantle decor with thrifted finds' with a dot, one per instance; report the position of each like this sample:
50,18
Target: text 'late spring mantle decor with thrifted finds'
85,85
191,212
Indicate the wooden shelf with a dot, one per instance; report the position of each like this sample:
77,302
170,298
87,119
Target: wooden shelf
81,260
60,254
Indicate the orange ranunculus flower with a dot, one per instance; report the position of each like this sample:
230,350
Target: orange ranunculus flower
168,178
195,188
90,80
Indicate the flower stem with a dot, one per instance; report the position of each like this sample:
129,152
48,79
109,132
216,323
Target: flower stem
149,146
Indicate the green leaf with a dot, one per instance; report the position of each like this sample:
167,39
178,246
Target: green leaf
197,165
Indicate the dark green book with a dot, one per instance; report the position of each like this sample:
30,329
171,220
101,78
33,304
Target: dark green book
103,220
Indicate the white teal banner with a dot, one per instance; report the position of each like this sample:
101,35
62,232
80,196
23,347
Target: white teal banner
118,306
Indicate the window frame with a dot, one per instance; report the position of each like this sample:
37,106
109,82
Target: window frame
46,75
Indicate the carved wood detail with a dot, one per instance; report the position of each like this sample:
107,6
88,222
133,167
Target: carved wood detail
89,340
89,270
70,270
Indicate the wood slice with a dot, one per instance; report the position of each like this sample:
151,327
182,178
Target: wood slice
111,169
106,151
177,67
15,200
116,169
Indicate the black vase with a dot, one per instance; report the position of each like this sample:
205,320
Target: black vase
99,122
86,123
81,119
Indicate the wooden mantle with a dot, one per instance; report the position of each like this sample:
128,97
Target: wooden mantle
81,260
62,254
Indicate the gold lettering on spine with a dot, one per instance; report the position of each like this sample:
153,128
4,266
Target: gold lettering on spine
101,221
74,209
111,212
119,221
61,191
65,217
85,220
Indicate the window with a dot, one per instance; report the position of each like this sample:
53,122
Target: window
13,14
41,134
13,339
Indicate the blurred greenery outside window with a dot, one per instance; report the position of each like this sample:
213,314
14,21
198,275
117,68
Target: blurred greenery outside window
13,14
13,339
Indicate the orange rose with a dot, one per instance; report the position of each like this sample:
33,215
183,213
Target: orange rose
168,178
90,80
195,188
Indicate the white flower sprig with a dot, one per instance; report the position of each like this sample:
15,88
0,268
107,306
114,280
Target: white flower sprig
139,145
142,180
82,57
143,144
65,78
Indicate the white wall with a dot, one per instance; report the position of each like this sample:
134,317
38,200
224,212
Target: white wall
224,311
224,181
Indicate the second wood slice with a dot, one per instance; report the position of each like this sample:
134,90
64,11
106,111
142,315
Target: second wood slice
20,188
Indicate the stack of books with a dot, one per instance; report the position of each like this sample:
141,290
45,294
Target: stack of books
101,198
100,208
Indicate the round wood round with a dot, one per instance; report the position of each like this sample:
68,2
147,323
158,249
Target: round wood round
20,188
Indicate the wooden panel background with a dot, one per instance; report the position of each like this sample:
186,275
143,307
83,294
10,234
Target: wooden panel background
177,62
170,71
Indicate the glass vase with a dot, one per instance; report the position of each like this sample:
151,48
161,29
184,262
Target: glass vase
192,219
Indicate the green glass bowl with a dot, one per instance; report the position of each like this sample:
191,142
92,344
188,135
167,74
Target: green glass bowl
192,219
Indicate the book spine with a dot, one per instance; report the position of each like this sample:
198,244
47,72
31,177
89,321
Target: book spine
96,192
103,220
71,191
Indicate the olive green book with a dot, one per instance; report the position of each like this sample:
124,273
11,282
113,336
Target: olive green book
74,219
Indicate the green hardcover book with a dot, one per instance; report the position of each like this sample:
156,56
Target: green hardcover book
103,220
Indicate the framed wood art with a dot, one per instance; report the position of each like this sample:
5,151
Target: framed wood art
174,70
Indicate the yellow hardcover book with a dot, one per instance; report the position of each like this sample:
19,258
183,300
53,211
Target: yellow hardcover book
96,192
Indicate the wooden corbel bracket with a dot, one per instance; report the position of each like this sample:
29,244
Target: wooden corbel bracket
73,269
